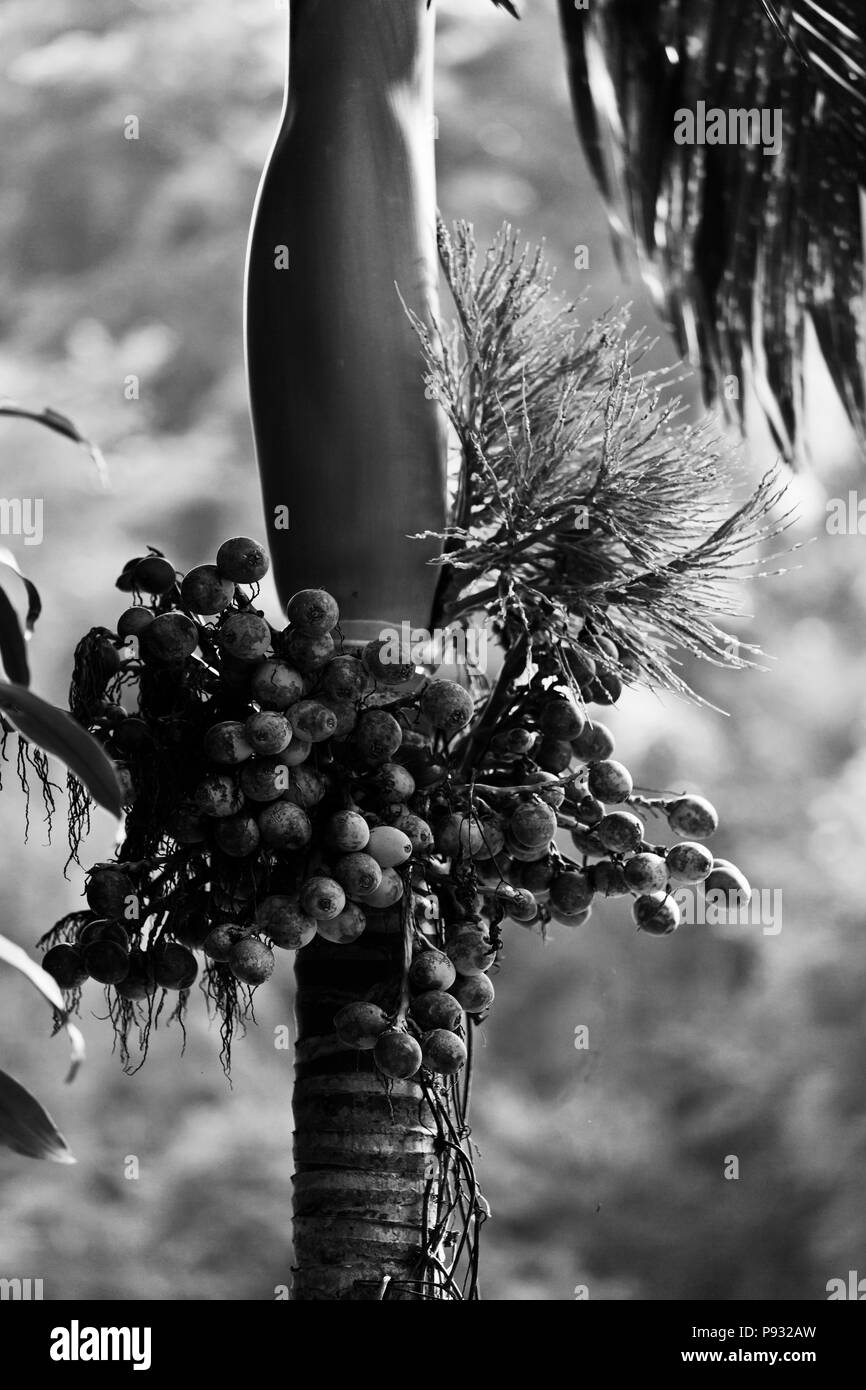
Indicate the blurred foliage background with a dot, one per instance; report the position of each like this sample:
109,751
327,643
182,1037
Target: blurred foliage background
604,1167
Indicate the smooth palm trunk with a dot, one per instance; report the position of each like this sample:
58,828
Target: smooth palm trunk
350,445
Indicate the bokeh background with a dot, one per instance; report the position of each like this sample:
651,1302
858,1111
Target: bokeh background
604,1167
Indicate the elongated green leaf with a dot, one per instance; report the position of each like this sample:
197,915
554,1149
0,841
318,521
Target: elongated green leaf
57,733
34,602
13,651
26,1126
60,424
15,956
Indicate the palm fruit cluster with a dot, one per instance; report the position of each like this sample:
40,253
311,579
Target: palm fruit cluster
284,787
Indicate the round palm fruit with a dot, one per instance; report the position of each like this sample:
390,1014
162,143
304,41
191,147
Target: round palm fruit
346,678
65,964
419,832
358,874
110,892
106,962
609,781
692,816
169,639
174,967
656,913
218,795
347,927
251,961
537,878
554,755
389,891
587,843
580,663
322,897
394,782
377,735
388,662
471,952
347,717
284,826
646,873
309,653
443,1052
493,841
523,907
473,993
588,809
609,880
192,930
312,720
688,862
571,919
459,834
549,788
204,590
132,734
533,825
242,561
227,743
560,719
429,774
133,621
237,836
397,1054
431,970
347,831
221,939
447,705
154,575
492,873
436,1009
360,1025
297,752
571,892
620,832
274,684
726,878
523,855
313,612
594,743
244,636
265,779
283,919
512,743
138,982
125,581
606,689
389,847
103,930
306,788
268,732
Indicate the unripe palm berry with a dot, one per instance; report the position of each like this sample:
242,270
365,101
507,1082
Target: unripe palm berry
219,942
471,952
688,862
554,755
133,621
138,982
103,930
313,612
419,832
275,684
358,873
389,891
473,993
106,962
512,743
110,892
560,719
537,878
588,809
377,735
192,929
609,781
657,914
227,743
533,825
692,816
394,782
447,705
251,961
594,743
306,788
343,929
282,918
646,873
620,832
312,720
397,1054
322,897
359,1025
726,878
154,575
347,831
297,752
459,834
571,919
169,639
571,892
204,590
443,1052
388,662
346,678
65,964
431,970
523,907
389,847
268,732
265,779
549,789
218,795
519,852
237,836
581,664
132,735
242,560
174,967
609,880
587,843
309,653
436,1009
126,581
244,636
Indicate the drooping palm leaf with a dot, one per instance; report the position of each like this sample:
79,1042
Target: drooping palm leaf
742,248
